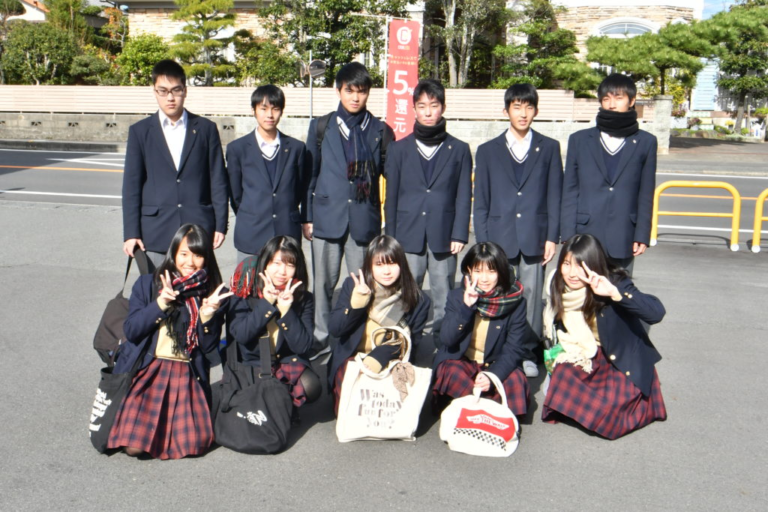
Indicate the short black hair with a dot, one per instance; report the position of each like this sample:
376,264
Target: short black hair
354,74
617,83
432,88
494,257
169,68
271,93
291,253
524,93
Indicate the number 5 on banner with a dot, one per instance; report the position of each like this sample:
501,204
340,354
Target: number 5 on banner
400,80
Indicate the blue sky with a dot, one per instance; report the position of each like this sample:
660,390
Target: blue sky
714,6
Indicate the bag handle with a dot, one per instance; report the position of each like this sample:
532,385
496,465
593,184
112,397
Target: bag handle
142,262
499,387
406,340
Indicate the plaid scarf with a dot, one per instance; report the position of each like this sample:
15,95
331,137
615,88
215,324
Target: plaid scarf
495,304
360,164
242,281
183,331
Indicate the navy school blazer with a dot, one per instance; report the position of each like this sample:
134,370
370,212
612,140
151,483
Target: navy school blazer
434,213
248,318
623,338
348,324
264,208
503,347
158,200
330,204
142,326
617,212
520,217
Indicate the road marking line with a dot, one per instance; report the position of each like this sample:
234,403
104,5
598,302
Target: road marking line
708,197
30,192
62,152
712,175
95,162
669,226
58,168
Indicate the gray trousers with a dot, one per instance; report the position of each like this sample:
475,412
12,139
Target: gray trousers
326,267
530,273
442,278
242,255
155,259
626,263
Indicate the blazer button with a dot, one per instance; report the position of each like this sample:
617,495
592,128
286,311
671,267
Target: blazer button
274,215
519,193
349,200
346,311
274,195
519,215
277,356
428,191
629,296
627,374
611,189
423,213
486,365
293,360
613,357
178,181
498,327
178,205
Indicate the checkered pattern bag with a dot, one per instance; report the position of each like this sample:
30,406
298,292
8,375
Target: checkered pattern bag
479,426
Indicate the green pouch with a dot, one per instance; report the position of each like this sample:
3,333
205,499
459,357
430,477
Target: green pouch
550,355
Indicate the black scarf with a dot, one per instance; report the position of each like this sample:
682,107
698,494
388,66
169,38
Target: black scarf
430,135
617,124
183,329
360,164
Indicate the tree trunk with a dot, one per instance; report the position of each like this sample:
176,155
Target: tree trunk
449,9
663,81
740,112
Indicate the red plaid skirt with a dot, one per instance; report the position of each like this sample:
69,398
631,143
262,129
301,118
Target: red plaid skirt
290,375
337,380
604,401
456,378
164,414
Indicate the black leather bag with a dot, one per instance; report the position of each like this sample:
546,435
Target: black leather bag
109,334
252,408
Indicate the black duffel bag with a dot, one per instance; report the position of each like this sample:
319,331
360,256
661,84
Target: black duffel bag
252,412
109,334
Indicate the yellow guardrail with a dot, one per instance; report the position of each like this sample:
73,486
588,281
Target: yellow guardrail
759,219
735,216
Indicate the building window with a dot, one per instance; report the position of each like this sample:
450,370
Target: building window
620,28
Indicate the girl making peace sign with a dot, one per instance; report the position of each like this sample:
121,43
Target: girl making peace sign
174,318
272,302
483,330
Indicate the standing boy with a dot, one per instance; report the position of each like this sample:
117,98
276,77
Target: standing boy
343,211
610,175
518,184
174,172
429,196
268,177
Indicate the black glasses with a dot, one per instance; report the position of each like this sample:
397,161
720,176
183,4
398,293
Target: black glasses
176,91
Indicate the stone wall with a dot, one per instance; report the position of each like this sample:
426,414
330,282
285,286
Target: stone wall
158,21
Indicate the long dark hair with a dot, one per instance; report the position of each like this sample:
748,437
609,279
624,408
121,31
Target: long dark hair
386,249
291,253
200,243
494,257
585,249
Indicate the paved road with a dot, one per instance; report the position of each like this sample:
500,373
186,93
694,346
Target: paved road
60,263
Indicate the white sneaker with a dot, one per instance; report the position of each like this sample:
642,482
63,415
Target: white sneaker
530,369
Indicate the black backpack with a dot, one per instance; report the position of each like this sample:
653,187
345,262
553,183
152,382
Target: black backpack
109,334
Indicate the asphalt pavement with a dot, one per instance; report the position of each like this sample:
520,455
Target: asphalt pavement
60,264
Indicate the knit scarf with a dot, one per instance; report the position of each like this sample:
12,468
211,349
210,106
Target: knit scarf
242,281
360,164
579,342
387,308
430,135
617,124
495,304
183,331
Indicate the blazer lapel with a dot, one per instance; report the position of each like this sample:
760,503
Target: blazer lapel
630,146
159,139
494,329
333,136
373,136
444,154
189,139
254,155
596,147
282,154
533,156
506,159
413,159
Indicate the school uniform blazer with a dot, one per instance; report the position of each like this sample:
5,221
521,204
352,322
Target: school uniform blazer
142,326
623,337
503,347
348,325
248,319
157,199
264,208
434,213
519,216
331,204
617,212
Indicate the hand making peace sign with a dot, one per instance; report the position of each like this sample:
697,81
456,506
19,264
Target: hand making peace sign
600,285
470,291
360,286
167,294
213,302
268,289
285,298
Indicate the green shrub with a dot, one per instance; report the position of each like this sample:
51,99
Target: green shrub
722,130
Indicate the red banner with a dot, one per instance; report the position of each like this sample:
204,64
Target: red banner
402,75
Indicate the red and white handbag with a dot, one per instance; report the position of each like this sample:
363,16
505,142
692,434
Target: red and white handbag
480,426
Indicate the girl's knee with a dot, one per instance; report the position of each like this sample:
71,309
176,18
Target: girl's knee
312,386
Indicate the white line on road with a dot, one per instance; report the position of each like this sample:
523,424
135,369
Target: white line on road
60,152
79,161
668,226
30,192
712,175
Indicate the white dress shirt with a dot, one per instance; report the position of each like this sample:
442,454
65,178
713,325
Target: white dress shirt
268,149
612,144
174,133
519,148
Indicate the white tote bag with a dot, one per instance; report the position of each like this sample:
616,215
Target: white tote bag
480,426
372,408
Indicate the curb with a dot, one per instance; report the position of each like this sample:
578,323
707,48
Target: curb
64,145
745,174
